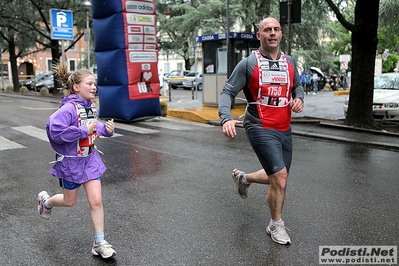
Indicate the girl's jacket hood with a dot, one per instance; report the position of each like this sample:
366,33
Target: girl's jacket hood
77,99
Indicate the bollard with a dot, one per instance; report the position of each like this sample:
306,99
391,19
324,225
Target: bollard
164,107
170,92
192,90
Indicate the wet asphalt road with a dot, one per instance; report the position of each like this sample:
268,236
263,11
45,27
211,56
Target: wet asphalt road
169,198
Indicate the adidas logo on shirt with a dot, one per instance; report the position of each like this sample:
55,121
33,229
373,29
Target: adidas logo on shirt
274,66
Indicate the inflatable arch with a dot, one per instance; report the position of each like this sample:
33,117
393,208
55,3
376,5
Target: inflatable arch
126,51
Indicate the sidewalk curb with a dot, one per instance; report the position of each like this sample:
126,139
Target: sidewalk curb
345,92
318,123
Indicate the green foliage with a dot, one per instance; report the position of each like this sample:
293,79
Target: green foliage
390,64
308,45
181,21
388,26
342,40
387,39
25,28
32,22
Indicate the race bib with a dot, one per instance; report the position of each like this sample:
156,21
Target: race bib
274,77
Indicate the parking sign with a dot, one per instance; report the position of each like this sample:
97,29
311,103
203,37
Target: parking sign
61,24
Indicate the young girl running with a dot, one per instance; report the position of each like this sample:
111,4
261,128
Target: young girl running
72,130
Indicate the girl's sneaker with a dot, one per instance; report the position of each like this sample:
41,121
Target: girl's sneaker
103,249
41,208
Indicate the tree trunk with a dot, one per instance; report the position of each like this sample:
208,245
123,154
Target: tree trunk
56,54
364,46
13,61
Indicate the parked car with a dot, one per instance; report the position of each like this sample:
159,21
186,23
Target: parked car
176,77
31,83
386,97
193,78
47,82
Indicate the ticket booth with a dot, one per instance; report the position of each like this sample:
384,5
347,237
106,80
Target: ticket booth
218,62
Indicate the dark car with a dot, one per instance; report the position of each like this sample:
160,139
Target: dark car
47,82
32,83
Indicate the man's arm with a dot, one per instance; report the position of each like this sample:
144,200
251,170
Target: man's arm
235,83
297,91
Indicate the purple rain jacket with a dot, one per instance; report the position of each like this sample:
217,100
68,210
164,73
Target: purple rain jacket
64,133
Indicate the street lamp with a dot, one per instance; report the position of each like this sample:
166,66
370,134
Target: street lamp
86,5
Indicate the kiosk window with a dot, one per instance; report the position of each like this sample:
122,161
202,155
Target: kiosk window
222,60
209,57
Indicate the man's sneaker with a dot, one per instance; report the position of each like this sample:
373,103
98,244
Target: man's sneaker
278,233
103,249
242,189
41,208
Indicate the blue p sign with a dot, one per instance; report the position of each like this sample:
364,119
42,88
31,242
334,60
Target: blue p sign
61,24
61,19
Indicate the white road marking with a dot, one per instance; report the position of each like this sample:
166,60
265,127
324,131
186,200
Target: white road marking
6,144
39,108
40,133
135,129
33,131
165,125
186,122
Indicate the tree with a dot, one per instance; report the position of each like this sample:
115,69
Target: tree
364,46
180,21
388,37
342,42
13,39
34,25
309,37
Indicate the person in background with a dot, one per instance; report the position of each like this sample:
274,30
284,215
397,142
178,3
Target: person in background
315,79
72,130
273,89
308,85
342,82
303,79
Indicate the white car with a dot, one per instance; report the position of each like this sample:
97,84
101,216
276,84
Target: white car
176,77
193,79
386,97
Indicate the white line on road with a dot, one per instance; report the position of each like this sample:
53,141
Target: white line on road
33,131
165,125
6,144
40,133
134,129
186,122
39,108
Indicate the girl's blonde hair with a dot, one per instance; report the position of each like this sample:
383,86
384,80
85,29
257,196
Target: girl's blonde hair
68,79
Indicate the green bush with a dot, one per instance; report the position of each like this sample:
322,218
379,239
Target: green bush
10,88
390,64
